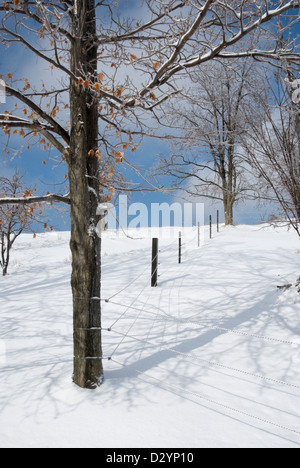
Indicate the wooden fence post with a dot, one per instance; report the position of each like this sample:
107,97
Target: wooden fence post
210,227
179,248
154,272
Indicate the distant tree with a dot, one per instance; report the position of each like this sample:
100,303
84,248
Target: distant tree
273,145
207,161
14,218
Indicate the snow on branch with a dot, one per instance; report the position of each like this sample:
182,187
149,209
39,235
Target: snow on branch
234,28
55,127
9,121
50,198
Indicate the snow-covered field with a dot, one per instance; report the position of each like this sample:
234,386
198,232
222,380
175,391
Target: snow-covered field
210,358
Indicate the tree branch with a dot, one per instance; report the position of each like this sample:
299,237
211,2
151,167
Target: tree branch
36,18
169,68
55,127
51,198
45,130
134,34
56,64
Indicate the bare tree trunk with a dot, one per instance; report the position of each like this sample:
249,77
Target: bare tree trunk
85,197
229,181
4,254
6,262
228,210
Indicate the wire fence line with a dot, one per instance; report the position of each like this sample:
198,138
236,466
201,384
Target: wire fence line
185,391
211,327
194,359
129,284
140,275
162,250
127,307
108,300
192,322
172,318
146,269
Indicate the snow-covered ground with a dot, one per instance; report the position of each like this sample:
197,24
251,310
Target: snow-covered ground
209,358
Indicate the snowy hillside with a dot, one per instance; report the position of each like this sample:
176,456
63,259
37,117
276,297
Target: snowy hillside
209,358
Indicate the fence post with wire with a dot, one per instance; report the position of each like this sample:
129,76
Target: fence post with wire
141,310
154,270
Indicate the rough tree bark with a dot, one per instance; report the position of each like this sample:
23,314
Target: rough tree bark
85,197
230,184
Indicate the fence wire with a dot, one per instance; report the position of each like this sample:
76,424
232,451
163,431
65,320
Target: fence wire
185,391
191,358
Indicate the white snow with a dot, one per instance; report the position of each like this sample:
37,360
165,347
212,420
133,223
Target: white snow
177,378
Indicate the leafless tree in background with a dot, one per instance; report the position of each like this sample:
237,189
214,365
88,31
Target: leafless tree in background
207,161
273,146
14,218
